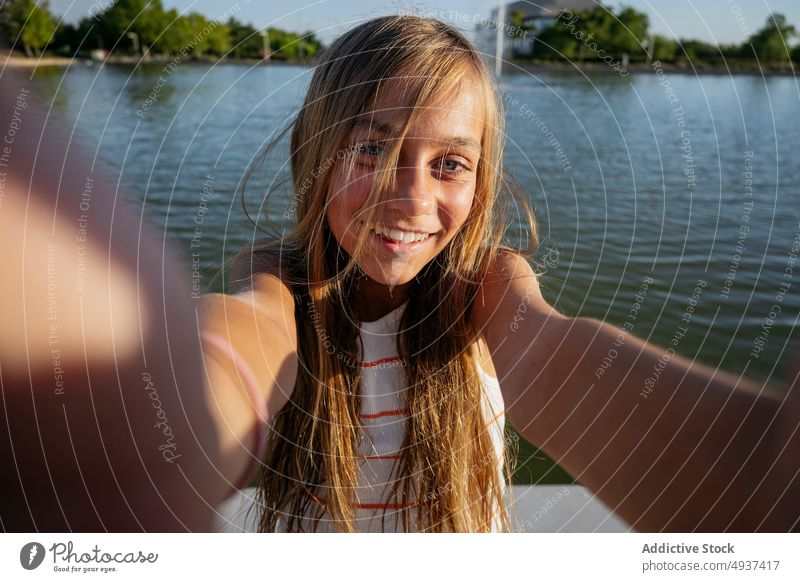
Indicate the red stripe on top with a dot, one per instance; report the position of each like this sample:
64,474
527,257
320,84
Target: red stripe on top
321,501
401,411
491,422
379,362
384,505
396,412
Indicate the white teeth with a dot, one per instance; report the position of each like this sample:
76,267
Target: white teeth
399,235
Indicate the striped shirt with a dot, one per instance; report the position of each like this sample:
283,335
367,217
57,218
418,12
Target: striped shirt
383,413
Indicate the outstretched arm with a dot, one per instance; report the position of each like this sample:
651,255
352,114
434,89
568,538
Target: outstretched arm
250,356
111,418
701,450
101,378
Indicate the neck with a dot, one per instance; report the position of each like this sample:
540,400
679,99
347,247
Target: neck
376,300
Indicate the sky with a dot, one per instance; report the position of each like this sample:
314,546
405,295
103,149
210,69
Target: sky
715,21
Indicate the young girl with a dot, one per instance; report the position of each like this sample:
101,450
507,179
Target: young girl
363,366
394,418
377,328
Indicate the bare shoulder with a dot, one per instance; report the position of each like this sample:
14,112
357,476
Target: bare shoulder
257,266
516,321
509,293
509,266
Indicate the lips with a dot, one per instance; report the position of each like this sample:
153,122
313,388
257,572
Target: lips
400,236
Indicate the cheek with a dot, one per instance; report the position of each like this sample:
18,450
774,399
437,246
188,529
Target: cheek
457,207
346,204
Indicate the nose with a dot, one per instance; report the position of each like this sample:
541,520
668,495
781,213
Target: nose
415,195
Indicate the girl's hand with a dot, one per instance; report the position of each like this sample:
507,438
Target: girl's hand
104,425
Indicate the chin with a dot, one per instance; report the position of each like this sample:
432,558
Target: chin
388,276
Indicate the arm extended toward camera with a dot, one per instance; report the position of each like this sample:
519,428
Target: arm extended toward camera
111,421
699,449
250,356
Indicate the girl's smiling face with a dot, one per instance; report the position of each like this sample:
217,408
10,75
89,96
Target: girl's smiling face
435,183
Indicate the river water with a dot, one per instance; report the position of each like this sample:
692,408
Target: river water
665,203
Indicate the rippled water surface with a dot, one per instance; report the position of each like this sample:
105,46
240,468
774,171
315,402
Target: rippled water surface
695,189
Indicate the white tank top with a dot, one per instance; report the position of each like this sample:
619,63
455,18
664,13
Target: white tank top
383,414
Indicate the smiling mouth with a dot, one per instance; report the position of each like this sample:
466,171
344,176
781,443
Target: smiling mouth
398,236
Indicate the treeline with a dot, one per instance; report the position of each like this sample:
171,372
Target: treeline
142,27
601,33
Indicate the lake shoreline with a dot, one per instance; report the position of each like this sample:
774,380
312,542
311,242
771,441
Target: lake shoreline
643,69
21,62
15,61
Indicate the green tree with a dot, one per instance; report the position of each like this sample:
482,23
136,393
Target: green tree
144,18
556,41
200,27
733,52
200,36
609,34
65,38
309,45
771,43
246,41
697,52
80,39
628,32
282,44
664,49
292,46
595,34
219,39
26,23
177,36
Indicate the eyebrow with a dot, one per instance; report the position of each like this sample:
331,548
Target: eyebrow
390,129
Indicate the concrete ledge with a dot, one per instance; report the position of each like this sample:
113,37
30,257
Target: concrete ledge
562,508
535,508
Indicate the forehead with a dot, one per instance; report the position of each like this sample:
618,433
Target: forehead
457,115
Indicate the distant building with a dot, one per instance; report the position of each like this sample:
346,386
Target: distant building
536,16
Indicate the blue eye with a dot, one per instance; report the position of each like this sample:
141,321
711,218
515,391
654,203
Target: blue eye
369,149
452,167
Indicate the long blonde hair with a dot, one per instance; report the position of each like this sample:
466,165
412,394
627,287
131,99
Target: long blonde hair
448,475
